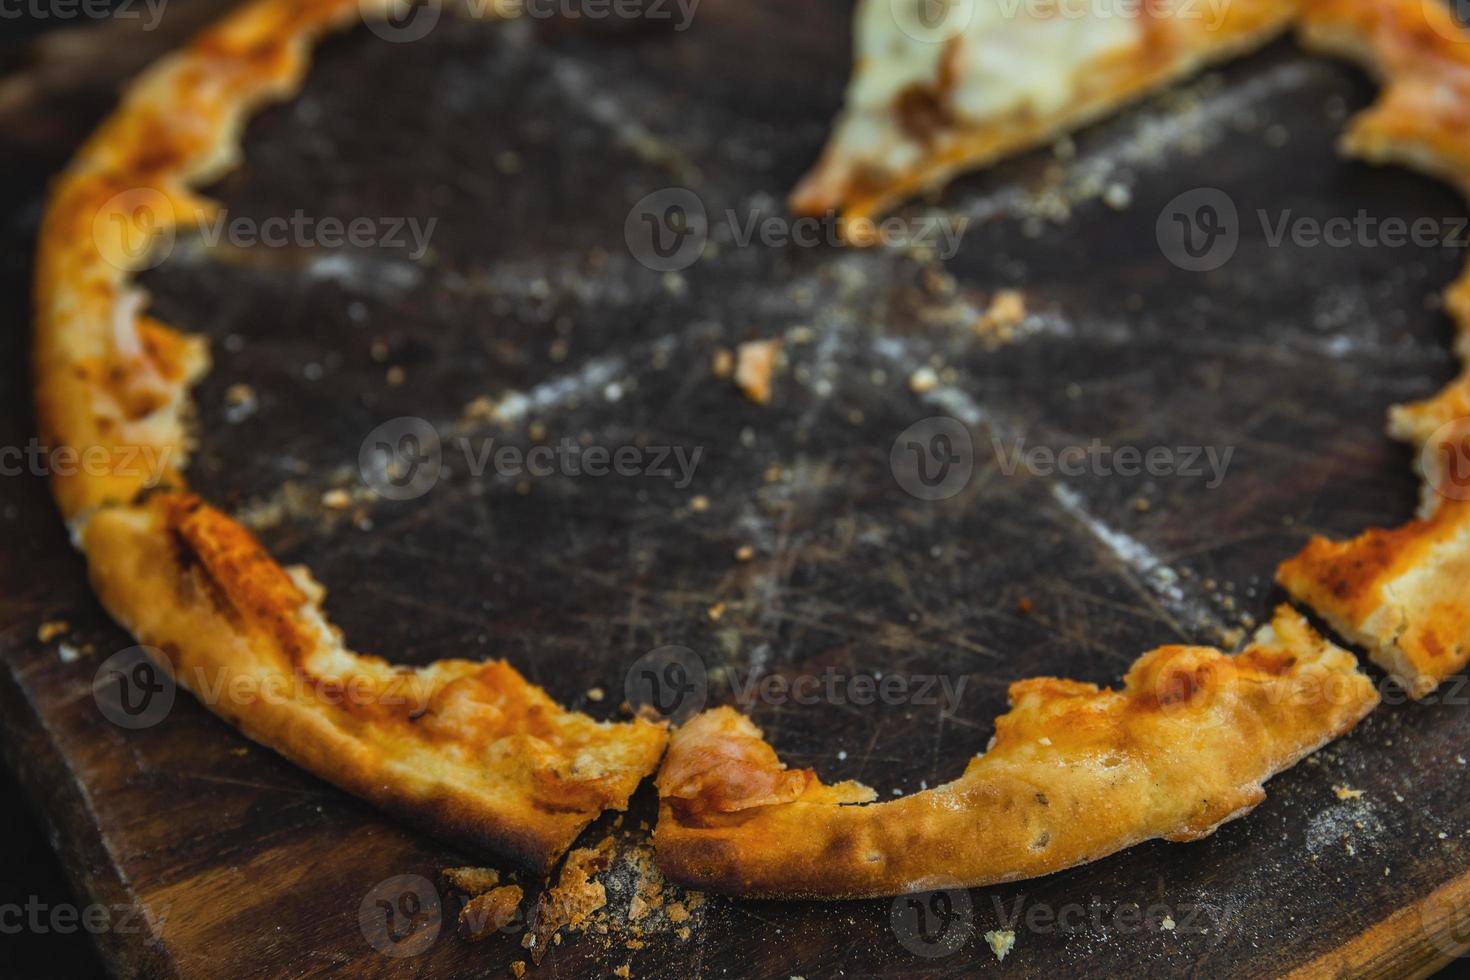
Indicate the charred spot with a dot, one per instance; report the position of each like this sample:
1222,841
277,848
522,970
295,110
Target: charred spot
1041,798
1042,841
922,112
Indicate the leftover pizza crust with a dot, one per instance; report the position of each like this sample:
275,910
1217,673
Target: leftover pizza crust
471,750
929,100
1404,593
1074,773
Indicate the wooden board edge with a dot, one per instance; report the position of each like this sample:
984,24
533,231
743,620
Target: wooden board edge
35,760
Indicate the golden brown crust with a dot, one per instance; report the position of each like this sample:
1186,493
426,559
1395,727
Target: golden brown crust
923,137
1074,773
471,750
1404,593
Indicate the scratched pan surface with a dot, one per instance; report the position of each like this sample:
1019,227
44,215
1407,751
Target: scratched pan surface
528,147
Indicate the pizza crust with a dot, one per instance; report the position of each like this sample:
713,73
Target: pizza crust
1404,593
1074,773
470,750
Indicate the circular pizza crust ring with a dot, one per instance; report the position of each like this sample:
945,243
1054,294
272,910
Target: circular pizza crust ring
471,749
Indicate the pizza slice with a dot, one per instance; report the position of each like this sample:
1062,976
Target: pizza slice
943,86
1404,593
1074,773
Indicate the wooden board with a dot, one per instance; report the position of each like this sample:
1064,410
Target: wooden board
529,146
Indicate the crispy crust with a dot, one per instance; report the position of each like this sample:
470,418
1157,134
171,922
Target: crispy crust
1404,593
470,750
1073,774
924,129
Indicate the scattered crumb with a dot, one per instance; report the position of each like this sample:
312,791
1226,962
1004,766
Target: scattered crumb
595,694
922,380
336,499
1167,923
716,611
755,362
67,653
575,896
240,403
625,971
240,751
472,881
722,364
744,553
396,376
1001,941
683,933
699,504
518,969
51,629
1006,312
1347,793
1024,605
484,915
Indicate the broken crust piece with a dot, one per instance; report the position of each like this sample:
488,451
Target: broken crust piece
929,101
470,750
1404,594
1073,774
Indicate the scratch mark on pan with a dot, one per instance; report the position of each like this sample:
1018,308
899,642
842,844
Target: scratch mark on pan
1160,579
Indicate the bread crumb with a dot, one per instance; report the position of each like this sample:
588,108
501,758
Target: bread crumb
722,364
396,376
625,971
923,380
51,629
336,499
755,363
1167,923
699,504
595,694
487,914
716,611
1347,793
1007,310
471,881
744,553
518,969
1001,941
